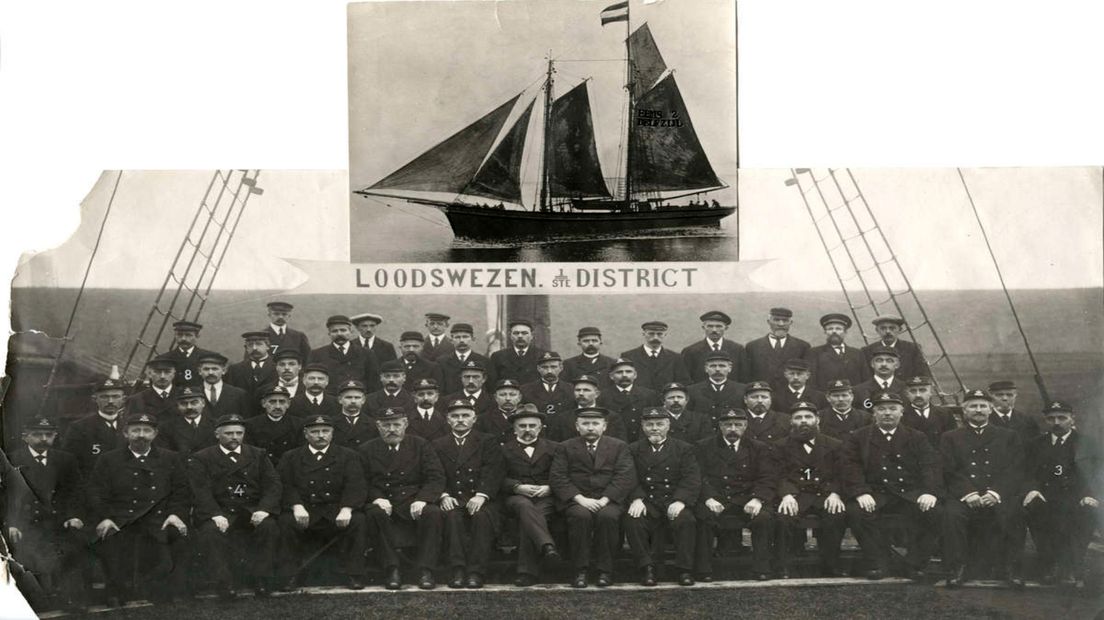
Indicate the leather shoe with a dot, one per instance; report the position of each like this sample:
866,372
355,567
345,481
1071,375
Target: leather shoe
580,580
875,574
475,581
426,581
457,580
549,552
1015,582
957,578
605,580
394,579
524,580
356,582
649,578
705,578
784,573
686,579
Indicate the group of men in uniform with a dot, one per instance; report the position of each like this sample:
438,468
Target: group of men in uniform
360,449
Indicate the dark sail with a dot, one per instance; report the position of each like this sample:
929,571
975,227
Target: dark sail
500,176
647,62
666,152
450,166
573,166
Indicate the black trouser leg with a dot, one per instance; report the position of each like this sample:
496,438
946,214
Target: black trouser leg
580,522
607,537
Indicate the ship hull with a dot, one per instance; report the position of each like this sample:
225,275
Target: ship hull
484,224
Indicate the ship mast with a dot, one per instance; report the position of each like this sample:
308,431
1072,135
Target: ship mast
546,146
629,88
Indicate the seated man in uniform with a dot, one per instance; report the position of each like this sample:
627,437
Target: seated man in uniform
591,477
405,480
324,491
668,483
1064,473
236,493
738,487
528,461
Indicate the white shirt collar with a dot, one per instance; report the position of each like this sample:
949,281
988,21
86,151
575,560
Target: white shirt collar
317,452
138,456
235,451
38,454
732,443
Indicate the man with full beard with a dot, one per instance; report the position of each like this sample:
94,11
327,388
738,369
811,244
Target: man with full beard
810,483
528,461
590,361
626,400
834,359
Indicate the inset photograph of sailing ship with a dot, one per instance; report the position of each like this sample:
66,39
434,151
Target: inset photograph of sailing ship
550,131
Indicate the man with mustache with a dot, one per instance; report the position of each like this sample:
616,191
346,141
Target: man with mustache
350,429
922,415
453,363
157,396
684,424
437,343
518,361
342,360
884,362
591,478
99,432
280,335
590,361
473,378
983,468
288,365
1006,415
496,423
426,418
718,392
138,497
184,352
767,354
236,494
392,396
193,426
222,398
912,360
624,399
366,324
714,324
763,422
738,488
324,492
315,398
834,359
275,431
552,396
891,469
794,387
415,364
527,459
667,487
256,372
405,479
840,418
656,366
1064,490
587,395
473,479
809,484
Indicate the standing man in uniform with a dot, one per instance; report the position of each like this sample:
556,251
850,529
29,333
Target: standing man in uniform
275,431
455,361
884,362
289,363
840,418
911,357
222,398
473,377
282,337
552,396
437,342
767,354
415,364
656,366
763,422
624,399
342,360
922,415
99,432
667,487
810,482
350,429
193,426
527,462
473,478
590,361
236,494
405,480
714,323
392,396
518,361
587,395
891,469
256,372
324,490
315,399
719,392
184,352
157,398
682,422
794,386
1006,415
427,419
366,324
592,476
1064,491
138,498
834,359
738,487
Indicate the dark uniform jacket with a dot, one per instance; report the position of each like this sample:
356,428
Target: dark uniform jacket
483,403
507,364
668,367
43,496
272,436
382,350
734,477
187,366
598,366
494,424
442,349
868,388
521,469
422,368
611,474
302,407
178,434
817,472
379,401
1026,425
665,477
826,366
149,401
243,375
221,487
436,426
912,359
977,463
413,474
292,339
907,466
231,400
352,434
765,362
324,486
693,359
560,400
939,421
89,437
1074,469
476,467
128,491
450,366
691,427
783,399
775,425
833,426
629,407
704,398
355,364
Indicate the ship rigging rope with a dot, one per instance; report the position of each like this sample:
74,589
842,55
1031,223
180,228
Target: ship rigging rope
1004,287
80,293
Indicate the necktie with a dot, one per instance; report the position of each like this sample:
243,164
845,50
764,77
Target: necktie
41,458
716,347
591,449
214,396
808,447
195,424
112,424
839,350
471,399
717,387
318,456
888,436
142,459
654,354
548,387
978,431
656,448
519,352
529,451
314,401
775,343
426,415
463,359
885,385
256,365
352,420
394,449
163,395
460,441
736,447
233,456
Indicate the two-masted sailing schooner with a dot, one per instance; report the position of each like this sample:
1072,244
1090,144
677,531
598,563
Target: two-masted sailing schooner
663,161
